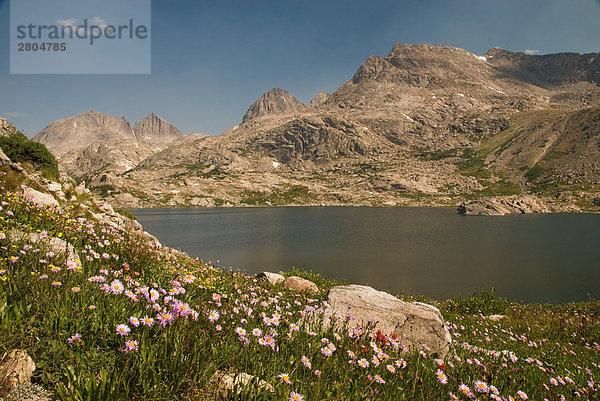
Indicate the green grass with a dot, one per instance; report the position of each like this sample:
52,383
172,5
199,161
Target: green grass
21,149
44,302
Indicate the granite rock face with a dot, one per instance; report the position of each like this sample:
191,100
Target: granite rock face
414,323
500,206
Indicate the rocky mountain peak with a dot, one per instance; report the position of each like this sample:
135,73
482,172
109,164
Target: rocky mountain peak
274,101
155,130
79,131
319,99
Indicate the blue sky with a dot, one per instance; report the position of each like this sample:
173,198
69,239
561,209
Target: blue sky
211,60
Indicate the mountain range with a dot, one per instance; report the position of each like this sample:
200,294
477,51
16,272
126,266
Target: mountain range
425,125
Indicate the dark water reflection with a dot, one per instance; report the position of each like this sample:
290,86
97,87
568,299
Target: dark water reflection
545,258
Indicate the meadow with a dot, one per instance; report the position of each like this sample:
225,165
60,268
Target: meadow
136,321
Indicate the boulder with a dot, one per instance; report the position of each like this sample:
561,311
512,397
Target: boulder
272,278
16,369
54,187
40,198
414,323
54,244
300,284
4,160
495,318
226,383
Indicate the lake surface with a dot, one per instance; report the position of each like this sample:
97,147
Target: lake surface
431,251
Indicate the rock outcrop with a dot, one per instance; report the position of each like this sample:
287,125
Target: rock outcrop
414,323
40,198
500,206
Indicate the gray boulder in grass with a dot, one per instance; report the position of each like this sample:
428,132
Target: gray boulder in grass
414,323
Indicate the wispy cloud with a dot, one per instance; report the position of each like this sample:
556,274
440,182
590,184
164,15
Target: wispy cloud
69,21
529,51
77,23
15,114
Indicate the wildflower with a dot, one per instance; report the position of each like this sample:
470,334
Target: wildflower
54,269
463,388
306,362
296,397
134,321
56,283
116,287
522,395
240,331
481,387
131,346
326,351
123,329
92,307
400,363
257,332
317,373
378,379
442,378
494,390
390,368
285,378
2,236
165,318
13,259
73,265
147,321
453,397
74,338
363,363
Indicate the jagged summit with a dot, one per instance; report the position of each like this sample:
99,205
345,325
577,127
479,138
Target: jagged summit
274,101
155,130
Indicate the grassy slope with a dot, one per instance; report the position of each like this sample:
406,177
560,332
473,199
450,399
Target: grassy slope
44,303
